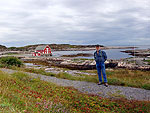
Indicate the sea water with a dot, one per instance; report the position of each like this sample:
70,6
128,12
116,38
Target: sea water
111,53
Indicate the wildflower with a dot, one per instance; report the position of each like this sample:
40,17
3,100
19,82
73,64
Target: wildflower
24,110
38,98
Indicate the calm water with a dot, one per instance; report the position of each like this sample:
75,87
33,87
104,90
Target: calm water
139,46
144,47
111,53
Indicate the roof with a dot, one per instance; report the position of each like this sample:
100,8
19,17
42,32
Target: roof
41,47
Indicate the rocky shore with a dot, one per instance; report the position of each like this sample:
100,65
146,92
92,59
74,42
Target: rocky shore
74,64
141,61
138,52
136,63
133,66
86,64
79,54
89,64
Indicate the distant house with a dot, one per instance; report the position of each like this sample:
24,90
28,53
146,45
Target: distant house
43,50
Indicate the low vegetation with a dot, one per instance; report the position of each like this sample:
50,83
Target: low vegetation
12,53
122,77
10,61
19,93
148,61
126,77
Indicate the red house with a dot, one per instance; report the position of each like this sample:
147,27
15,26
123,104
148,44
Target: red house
43,50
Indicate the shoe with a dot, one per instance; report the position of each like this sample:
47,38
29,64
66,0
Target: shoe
105,84
100,83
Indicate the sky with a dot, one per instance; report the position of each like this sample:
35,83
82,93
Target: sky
105,22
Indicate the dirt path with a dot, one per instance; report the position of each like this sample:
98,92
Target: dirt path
92,88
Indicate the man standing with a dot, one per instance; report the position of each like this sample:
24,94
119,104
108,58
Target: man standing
100,57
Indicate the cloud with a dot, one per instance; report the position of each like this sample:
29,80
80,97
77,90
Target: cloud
107,22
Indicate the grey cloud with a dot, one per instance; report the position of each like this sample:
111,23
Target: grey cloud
74,21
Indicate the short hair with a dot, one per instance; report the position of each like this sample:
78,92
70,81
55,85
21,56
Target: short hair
97,45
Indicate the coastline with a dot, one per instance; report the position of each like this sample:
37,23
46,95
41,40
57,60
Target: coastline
73,62
93,48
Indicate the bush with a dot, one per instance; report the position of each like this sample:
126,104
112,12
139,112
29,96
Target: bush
146,86
10,61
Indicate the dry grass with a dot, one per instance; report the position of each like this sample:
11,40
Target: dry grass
122,77
125,77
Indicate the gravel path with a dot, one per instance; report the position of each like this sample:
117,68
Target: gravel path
92,88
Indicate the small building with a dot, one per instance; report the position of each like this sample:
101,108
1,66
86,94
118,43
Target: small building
43,50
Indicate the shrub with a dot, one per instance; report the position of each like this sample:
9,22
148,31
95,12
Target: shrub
146,86
10,61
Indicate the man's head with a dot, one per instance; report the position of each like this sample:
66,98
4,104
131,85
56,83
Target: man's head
97,47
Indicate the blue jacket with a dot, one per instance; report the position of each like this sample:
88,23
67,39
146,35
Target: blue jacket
101,57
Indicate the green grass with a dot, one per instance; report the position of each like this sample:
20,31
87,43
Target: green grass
12,53
122,77
65,75
125,77
147,61
24,94
6,106
37,71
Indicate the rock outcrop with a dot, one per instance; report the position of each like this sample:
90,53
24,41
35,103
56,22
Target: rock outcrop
138,52
133,66
73,64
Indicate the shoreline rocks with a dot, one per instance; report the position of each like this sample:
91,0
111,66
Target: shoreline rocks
80,64
126,65
79,54
138,52
133,63
70,63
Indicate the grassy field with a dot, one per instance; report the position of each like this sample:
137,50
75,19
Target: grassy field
122,77
125,77
21,93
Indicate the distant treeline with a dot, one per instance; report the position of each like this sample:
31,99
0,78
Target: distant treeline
53,46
